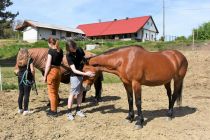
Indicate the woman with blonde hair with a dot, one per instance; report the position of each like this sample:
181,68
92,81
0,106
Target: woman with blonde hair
24,69
52,74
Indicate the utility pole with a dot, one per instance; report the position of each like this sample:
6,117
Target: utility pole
193,37
163,20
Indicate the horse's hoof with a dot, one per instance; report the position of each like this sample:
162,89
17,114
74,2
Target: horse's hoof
128,121
99,99
169,118
138,126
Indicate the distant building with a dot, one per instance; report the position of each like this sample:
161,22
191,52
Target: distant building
140,28
34,31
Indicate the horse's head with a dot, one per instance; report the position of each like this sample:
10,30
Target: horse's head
88,81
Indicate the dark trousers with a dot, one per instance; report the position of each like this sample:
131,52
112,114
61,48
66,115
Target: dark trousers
24,93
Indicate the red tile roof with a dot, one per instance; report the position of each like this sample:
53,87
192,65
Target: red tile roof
123,26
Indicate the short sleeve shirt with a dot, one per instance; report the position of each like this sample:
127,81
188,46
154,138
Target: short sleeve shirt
56,56
76,59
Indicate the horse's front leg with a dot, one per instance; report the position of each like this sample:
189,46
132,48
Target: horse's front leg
137,92
128,89
98,90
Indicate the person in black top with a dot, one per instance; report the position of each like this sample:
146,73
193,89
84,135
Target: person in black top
75,57
52,74
24,69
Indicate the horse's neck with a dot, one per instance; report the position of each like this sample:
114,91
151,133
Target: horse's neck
107,63
37,55
102,60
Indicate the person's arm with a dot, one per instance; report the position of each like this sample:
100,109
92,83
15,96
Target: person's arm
16,70
88,73
32,70
47,67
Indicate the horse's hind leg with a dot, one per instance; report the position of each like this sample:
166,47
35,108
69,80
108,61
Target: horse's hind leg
168,90
129,91
177,95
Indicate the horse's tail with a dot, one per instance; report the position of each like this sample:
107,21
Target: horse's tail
179,96
182,73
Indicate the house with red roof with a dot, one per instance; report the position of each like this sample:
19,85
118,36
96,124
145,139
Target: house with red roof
140,28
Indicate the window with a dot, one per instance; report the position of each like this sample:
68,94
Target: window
146,35
68,34
53,32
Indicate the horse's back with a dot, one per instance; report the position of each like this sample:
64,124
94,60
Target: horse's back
179,61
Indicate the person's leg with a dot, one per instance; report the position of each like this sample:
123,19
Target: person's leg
70,101
79,102
79,98
20,98
52,93
72,95
27,90
52,86
57,90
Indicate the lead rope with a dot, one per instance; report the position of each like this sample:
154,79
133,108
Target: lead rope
24,78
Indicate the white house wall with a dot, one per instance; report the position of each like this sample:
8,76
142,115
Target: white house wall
30,34
140,34
148,33
150,25
46,33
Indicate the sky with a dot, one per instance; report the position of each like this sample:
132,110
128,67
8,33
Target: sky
181,16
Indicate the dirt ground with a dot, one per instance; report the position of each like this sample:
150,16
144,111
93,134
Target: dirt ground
106,120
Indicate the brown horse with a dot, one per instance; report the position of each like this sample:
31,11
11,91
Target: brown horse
136,67
39,56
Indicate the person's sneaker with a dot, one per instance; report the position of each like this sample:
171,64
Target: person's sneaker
80,113
27,112
20,111
52,113
70,117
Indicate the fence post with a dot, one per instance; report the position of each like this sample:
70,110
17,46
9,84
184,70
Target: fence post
0,79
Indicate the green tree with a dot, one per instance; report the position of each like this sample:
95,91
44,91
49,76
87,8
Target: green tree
6,18
202,32
181,38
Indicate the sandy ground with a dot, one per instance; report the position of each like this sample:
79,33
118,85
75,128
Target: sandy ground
106,119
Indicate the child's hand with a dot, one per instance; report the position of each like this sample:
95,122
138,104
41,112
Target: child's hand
16,72
45,79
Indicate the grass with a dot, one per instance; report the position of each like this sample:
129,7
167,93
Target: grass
10,81
9,49
111,78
